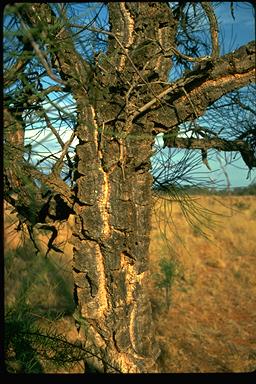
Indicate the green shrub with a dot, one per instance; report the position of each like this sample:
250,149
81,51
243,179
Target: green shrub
165,278
28,348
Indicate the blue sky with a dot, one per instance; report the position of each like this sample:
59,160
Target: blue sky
227,171
233,33
238,31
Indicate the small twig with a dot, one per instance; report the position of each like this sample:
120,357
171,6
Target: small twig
57,166
189,58
180,83
55,183
63,145
51,127
40,54
207,7
224,171
190,102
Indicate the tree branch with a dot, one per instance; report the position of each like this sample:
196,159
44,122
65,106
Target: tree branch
247,153
207,7
70,65
11,74
55,183
40,54
208,143
204,85
57,166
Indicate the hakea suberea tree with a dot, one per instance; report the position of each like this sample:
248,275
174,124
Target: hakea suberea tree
124,97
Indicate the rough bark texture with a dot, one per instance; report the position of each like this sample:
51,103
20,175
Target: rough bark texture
122,101
114,199
189,97
110,251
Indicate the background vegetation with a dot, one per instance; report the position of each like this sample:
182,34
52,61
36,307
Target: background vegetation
202,287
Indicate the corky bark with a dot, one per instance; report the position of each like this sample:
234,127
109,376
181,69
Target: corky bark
110,250
114,197
122,101
189,96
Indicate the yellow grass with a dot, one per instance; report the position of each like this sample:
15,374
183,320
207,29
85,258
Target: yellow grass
210,324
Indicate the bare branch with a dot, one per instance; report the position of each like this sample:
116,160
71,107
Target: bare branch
189,58
205,85
39,95
72,68
57,166
213,28
56,184
11,75
42,112
247,153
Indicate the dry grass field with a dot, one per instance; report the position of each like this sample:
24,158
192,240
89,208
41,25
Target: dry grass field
205,313
211,322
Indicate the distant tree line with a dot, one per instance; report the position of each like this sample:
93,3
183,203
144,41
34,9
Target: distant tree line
197,190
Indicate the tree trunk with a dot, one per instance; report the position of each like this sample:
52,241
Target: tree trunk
111,241
113,189
123,97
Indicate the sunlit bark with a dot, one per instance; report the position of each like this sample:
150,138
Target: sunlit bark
123,100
